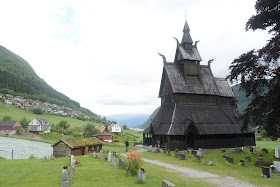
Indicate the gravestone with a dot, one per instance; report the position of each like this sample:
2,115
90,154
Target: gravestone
248,158
100,154
205,151
177,154
263,153
104,151
200,152
72,160
165,149
266,172
223,150
226,155
109,157
166,183
94,154
121,163
206,162
114,161
277,166
198,158
210,163
260,159
255,152
169,152
230,160
251,149
265,150
183,156
157,150
65,179
242,161
194,152
277,152
141,175
72,170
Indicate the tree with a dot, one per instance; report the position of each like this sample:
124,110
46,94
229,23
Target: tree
259,70
37,111
7,118
64,124
24,122
124,127
90,130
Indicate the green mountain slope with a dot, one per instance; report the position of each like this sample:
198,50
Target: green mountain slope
242,103
16,75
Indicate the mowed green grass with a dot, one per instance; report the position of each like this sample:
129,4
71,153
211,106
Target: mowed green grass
91,172
17,114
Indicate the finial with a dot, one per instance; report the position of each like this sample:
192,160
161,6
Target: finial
195,44
185,15
163,57
210,61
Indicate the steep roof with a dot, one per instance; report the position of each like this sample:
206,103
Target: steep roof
173,81
80,142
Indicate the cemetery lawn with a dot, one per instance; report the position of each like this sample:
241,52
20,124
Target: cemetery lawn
248,173
91,172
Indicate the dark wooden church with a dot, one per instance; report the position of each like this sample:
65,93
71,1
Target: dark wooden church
197,109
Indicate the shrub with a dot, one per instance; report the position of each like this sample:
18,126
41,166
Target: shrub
31,157
133,161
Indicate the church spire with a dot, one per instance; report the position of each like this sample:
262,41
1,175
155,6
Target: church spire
187,39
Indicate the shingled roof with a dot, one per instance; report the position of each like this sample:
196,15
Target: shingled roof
205,83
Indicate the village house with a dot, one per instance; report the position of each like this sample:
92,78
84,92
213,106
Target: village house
9,128
105,136
197,109
102,129
115,128
40,125
76,146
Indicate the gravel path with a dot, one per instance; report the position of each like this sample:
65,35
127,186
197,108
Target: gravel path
206,176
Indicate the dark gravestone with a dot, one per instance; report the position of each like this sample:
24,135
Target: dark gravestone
265,150
169,152
230,160
165,150
251,149
255,152
223,150
260,159
248,158
225,155
177,154
198,158
266,172
206,162
183,156
242,161
121,163
194,152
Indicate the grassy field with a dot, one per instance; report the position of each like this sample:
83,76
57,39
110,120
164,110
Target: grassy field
17,114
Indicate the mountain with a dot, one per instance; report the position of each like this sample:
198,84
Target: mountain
17,77
242,103
131,120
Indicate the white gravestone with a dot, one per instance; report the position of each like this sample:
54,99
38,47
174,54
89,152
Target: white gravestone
277,166
277,152
114,161
109,157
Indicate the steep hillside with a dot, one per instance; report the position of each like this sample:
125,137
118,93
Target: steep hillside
131,120
18,76
147,123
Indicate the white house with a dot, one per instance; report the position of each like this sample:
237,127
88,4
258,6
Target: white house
39,125
115,128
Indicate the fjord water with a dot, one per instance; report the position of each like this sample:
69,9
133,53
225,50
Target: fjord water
23,148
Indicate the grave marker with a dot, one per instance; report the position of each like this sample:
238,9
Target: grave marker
277,152
65,179
165,149
109,157
166,183
223,150
230,160
242,161
266,172
260,159
200,152
277,166
251,149
198,158
121,163
141,175
226,155
248,158
183,156
72,170
114,161
169,153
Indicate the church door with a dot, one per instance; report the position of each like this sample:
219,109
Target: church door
190,140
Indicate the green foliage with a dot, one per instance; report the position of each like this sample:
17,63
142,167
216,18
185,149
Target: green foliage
64,124
263,133
37,111
24,122
18,131
81,118
7,118
76,134
90,130
133,161
124,127
31,157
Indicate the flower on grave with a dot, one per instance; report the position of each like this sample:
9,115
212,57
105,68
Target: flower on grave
133,161
252,153
260,154
239,164
274,156
77,162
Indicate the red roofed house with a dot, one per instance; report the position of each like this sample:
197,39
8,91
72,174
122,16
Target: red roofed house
104,136
9,128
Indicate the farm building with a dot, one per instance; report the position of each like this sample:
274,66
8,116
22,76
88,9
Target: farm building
76,146
9,128
197,109
105,136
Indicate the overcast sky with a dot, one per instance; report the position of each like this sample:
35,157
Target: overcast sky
103,53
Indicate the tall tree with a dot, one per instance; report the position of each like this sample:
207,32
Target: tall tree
90,130
259,70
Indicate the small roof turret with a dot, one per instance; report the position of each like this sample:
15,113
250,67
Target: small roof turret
186,37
